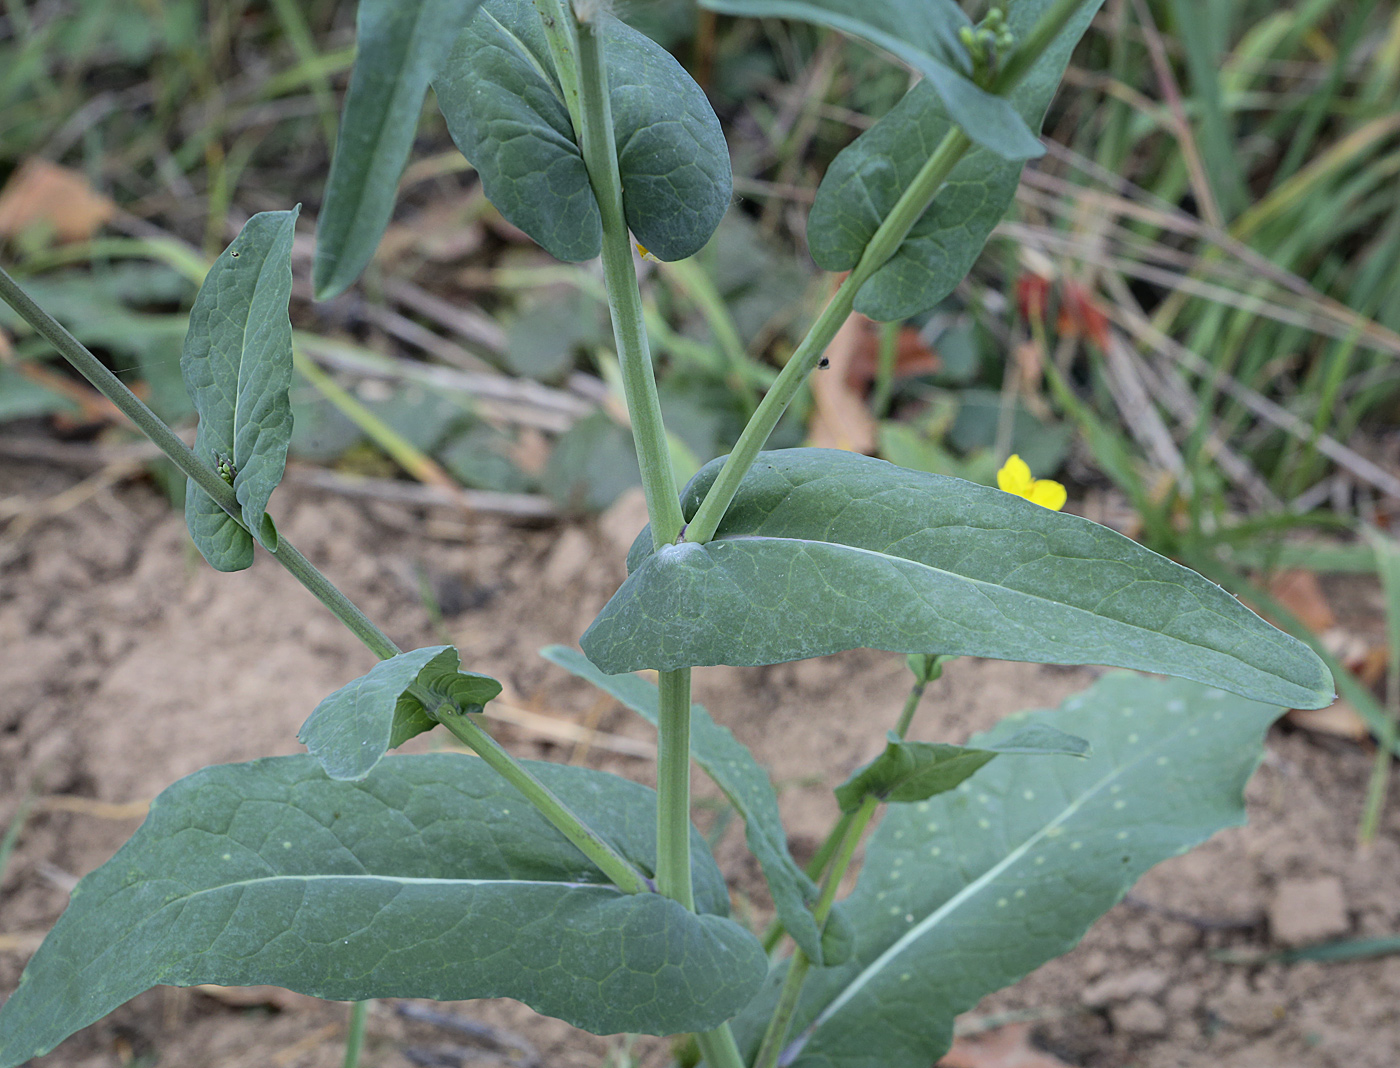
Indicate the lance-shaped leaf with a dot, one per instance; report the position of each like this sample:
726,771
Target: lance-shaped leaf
823,550
431,878
506,112
866,179
916,771
734,770
237,366
967,892
399,47
351,730
924,34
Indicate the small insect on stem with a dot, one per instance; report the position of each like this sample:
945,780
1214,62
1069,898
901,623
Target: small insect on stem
823,363
224,466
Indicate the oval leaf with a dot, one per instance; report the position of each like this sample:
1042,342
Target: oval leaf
237,366
351,730
916,771
824,550
924,34
866,179
728,762
399,46
965,893
432,878
506,113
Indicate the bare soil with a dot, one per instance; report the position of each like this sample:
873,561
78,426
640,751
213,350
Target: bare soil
125,663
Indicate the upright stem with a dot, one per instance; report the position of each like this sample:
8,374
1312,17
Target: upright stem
778,1024
673,788
114,389
355,1035
882,245
599,147
885,242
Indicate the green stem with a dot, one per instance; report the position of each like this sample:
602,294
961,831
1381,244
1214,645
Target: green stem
355,1036
599,146
883,244
109,385
673,788
778,1024
612,864
563,49
884,374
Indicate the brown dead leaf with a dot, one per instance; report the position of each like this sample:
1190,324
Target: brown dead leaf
912,355
248,997
1339,720
1301,593
41,193
1006,1047
840,418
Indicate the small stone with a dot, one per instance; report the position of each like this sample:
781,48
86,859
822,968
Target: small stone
1141,1016
1308,910
1124,986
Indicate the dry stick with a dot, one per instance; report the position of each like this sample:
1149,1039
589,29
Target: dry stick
1364,469
1383,338
1200,182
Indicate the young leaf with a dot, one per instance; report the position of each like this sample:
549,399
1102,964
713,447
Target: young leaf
351,730
505,110
237,365
734,770
432,878
923,34
399,46
866,179
916,771
824,550
967,892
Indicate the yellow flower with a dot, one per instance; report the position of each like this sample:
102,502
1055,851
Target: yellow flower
1015,477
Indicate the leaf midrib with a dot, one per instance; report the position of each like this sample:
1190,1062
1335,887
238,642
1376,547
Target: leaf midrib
936,917
980,583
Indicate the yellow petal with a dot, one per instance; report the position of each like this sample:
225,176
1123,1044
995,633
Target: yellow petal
644,252
1048,494
1015,476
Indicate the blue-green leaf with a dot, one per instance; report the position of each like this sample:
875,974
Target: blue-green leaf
866,179
351,730
237,366
967,892
505,110
400,46
924,34
431,878
825,550
916,771
734,770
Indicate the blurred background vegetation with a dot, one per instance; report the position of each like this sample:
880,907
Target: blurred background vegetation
1191,317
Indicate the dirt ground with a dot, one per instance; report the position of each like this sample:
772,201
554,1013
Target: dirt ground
125,663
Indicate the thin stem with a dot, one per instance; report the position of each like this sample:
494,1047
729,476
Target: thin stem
776,1035
609,861
883,244
355,1035
719,1048
109,385
563,49
885,367
599,147
673,788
